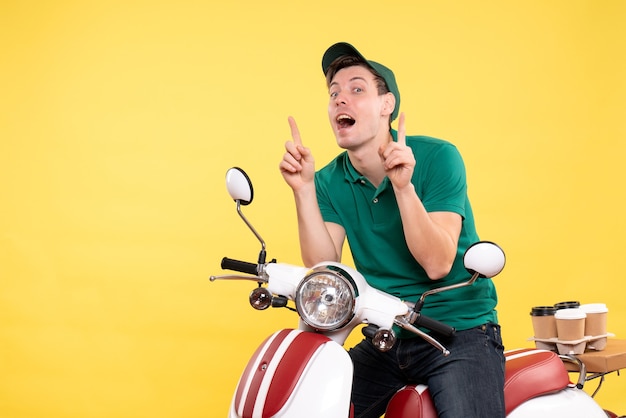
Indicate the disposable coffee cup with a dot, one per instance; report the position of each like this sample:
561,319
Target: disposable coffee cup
595,322
595,325
570,324
544,322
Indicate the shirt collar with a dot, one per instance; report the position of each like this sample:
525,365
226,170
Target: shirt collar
354,176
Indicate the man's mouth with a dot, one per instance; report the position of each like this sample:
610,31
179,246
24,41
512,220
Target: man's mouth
344,121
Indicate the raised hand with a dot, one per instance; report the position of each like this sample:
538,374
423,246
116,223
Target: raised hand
297,165
397,158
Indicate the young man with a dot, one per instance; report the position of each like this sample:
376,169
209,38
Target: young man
401,202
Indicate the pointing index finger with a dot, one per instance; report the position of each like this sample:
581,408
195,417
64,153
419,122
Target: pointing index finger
401,130
295,133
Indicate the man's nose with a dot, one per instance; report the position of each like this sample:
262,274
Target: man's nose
340,99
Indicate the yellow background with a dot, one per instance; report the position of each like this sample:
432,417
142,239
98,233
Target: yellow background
118,120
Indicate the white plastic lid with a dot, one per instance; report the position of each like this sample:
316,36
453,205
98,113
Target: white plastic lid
594,308
570,313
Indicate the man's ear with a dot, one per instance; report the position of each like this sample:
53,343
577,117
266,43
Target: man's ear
389,103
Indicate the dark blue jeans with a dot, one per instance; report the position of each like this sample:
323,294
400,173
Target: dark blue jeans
468,383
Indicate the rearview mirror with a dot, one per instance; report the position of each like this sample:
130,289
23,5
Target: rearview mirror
485,258
239,185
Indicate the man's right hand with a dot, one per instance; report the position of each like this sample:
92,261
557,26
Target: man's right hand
297,165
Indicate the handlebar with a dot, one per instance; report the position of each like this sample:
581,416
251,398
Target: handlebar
240,266
411,322
434,325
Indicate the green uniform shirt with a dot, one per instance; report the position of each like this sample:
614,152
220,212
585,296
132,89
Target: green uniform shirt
373,227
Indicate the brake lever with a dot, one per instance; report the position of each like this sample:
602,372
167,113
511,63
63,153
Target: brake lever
403,323
238,277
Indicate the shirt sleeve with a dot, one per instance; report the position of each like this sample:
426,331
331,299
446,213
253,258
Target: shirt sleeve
444,188
329,214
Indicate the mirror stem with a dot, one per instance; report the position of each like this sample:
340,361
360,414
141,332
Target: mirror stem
420,303
256,234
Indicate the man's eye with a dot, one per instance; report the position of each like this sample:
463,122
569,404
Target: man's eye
333,94
358,89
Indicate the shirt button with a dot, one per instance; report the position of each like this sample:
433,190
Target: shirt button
362,181
375,200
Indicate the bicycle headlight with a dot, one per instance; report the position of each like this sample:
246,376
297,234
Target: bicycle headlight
326,298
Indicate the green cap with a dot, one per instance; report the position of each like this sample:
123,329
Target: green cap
342,48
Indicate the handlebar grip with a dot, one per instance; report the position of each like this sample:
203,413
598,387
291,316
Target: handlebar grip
237,265
434,325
